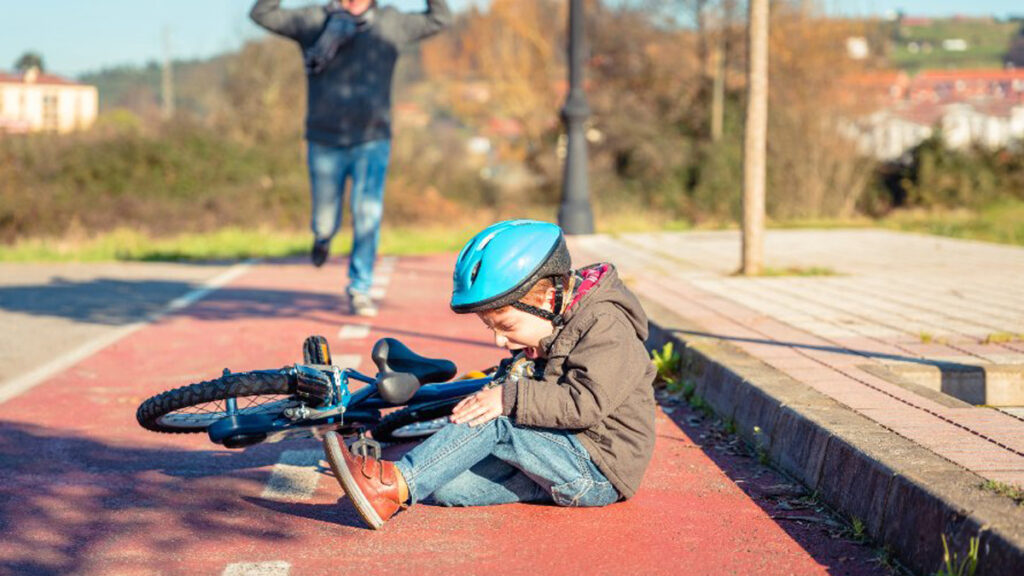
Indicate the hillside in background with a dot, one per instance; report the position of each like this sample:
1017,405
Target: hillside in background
198,84
920,43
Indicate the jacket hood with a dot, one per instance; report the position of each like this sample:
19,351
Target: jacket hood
609,289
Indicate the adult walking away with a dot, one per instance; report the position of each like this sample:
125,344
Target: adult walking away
349,48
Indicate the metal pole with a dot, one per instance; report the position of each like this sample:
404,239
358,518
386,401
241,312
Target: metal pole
167,79
575,215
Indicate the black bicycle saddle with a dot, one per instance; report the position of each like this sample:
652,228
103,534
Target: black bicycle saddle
400,371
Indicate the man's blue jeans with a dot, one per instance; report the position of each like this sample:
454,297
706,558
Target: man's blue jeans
367,166
499,462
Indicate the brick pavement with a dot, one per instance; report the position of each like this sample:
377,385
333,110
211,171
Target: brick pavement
895,301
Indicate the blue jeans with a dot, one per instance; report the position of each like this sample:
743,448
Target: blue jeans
329,168
499,463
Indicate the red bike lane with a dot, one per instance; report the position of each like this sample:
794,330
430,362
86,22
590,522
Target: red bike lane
85,490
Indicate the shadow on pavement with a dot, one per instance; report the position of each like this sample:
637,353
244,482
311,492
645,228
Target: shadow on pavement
67,502
823,535
104,301
119,302
831,349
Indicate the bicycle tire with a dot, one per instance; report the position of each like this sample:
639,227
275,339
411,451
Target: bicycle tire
390,428
152,413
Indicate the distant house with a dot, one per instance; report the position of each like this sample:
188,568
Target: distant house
889,134
947,86
989,124
38,102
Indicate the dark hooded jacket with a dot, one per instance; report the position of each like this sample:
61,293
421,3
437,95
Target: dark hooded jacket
349,100
597,381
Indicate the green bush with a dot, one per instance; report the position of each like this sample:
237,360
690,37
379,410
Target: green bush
180,178
940,177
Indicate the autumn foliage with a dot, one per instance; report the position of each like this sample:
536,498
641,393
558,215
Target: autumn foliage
477,126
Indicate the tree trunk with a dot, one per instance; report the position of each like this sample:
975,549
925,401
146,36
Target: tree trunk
755,138
718,87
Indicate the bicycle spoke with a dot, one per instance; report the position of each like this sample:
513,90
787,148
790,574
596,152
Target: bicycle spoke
202,415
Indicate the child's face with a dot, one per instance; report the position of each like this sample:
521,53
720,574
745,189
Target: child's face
517,330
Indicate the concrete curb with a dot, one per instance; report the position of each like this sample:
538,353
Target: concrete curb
906,495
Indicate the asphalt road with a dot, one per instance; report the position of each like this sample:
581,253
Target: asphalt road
51,313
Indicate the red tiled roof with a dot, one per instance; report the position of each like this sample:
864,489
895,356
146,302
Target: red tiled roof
43,78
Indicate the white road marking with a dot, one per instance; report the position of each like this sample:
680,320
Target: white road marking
348,361
29,380
295,476
354,331
258,569
382,278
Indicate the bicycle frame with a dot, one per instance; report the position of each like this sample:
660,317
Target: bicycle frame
347,411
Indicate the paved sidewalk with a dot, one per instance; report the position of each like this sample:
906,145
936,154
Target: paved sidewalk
903,314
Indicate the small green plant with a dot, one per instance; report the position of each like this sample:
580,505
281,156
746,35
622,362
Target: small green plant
857,529
760,446
926,337
884,557
998,338
1008,490
676,386
668,363
689,387
798,271
730,427
698,403
953,566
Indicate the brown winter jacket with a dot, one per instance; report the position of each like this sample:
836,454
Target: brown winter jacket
598,382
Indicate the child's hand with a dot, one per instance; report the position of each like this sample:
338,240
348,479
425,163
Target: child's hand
479,408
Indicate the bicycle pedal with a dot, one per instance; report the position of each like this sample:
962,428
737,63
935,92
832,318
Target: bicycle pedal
366,447
315,350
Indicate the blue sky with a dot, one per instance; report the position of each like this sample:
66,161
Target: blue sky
76,36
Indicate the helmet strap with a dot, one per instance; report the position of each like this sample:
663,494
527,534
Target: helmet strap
555,319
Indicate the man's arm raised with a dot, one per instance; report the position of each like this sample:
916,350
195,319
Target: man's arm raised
419,25
294,23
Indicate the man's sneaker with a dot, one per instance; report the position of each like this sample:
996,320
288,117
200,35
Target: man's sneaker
361,304
321,248
371,484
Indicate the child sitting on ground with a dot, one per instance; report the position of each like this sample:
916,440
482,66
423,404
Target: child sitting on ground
570,420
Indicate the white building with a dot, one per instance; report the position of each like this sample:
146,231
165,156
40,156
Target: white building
990,126
891,133
37,102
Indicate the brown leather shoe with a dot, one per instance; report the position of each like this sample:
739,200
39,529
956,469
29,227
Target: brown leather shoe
371,484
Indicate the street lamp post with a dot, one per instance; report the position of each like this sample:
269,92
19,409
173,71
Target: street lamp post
575,215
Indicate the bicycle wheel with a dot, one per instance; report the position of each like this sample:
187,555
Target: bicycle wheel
193,408
414,422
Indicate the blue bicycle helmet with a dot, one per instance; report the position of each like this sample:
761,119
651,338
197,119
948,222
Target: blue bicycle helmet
499,265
